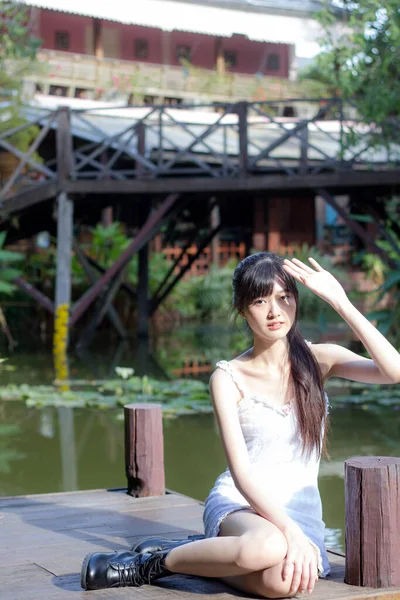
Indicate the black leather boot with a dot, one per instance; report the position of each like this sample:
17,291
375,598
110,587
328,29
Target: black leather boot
160,544
119,569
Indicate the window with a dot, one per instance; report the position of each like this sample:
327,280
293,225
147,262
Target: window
230,58
183,53
61,41
141,48
273,62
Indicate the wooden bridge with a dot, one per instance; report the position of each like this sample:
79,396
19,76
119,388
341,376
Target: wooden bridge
156,163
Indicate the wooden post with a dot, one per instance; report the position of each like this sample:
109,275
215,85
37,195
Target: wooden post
144,450
107,216
259,235
143,304
241,109
372,521
274,225
219,56
215,221
97,39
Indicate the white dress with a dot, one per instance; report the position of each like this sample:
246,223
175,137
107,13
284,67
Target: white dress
274,448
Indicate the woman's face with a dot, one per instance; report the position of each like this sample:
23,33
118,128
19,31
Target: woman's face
271,317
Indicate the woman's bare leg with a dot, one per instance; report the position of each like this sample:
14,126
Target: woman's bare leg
267,582
247,543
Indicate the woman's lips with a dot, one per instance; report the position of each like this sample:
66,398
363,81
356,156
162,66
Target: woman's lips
275,326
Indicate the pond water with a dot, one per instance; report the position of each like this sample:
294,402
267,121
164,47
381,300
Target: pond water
60,449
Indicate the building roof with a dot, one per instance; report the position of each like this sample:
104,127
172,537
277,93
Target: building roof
197,18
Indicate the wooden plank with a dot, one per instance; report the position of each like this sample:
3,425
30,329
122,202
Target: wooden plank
28,197
30,512
41,557
337,180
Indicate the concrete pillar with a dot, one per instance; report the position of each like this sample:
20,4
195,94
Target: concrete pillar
63,285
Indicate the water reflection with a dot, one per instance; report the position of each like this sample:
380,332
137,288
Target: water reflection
60,449
65,449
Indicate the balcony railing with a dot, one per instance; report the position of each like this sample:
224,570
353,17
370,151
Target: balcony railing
236,141
80,75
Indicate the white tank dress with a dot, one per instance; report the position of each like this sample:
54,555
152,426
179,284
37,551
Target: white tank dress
274,449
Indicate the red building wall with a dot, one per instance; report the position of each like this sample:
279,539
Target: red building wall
251,56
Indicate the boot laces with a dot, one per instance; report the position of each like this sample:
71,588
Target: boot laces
132,574
127,574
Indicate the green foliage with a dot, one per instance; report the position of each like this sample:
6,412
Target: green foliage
178,397
386,279
206,296
359,59
16,41
18,48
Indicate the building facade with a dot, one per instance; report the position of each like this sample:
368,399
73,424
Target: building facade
172,51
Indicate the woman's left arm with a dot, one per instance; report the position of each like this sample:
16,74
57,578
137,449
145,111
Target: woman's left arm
384,365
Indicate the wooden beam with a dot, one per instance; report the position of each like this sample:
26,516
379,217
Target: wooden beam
362,233
241,109
89,270
103,306
152,225
156,301
219,56
215,220
34,293
28,197
273,182
127,287
64,146
143,304
97,39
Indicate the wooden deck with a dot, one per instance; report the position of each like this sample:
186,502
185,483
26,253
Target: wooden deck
44,538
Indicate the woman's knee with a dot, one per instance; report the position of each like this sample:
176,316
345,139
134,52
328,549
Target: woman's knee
273,586
257,551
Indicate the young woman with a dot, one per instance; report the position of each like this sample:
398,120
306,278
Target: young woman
263,518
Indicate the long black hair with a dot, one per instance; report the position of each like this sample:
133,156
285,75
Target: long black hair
254,277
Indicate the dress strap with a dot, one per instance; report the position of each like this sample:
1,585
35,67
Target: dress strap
226,366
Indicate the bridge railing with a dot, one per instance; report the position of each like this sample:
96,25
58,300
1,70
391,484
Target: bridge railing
228,140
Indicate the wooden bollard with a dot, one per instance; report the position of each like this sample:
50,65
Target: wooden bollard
372,535
144,450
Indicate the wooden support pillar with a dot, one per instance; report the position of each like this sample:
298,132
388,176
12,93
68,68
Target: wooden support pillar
65,211
259,234
241,109
219,56
143,304
144,450
274,225
215,221
149,229
372,521
107,216
98,50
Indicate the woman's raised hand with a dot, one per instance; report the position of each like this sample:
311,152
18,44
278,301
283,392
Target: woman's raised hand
317,279
300,565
